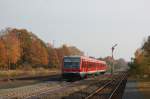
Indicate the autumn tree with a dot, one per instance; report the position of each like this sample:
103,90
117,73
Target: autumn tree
21,48
141,62
12,47
38,54
146,57
3,58
33,50
53,57
25,44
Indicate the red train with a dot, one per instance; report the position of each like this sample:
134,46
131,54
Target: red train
81,67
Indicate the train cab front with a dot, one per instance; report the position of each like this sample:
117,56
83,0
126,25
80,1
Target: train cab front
71,68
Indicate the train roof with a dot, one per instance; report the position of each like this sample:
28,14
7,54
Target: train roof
73,56
87,58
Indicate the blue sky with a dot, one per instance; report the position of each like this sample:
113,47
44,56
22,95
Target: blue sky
94,26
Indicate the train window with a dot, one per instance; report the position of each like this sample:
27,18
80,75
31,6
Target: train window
71,64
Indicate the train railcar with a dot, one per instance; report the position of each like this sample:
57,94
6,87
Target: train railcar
81,67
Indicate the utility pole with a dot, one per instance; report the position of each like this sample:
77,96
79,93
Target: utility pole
112,67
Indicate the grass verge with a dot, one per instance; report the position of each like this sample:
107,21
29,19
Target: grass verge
31,72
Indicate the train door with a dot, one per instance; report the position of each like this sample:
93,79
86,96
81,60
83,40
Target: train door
84,67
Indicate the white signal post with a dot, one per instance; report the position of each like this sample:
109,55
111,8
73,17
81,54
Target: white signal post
112,67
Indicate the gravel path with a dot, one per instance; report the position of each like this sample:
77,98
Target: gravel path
131,91
28,90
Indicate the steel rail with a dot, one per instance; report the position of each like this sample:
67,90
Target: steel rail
104,86
118,85
99,89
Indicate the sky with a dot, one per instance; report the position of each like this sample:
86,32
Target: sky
93,26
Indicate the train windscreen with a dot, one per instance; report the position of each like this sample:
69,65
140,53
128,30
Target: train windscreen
71,62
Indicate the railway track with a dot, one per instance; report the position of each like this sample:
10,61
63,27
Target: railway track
41,90
107,89
103,87
111,90
60,92
54,93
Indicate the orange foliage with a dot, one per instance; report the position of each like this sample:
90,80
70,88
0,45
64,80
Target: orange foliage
38,54
3,58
